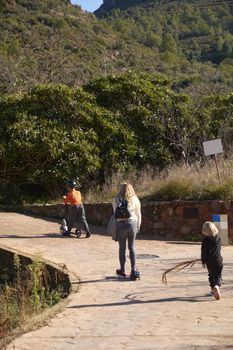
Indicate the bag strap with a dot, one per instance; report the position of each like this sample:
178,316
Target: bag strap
119,200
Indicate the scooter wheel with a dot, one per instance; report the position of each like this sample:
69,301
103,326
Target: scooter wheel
62,231
78,233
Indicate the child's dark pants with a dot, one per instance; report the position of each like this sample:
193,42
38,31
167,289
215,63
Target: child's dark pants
215,274
77,213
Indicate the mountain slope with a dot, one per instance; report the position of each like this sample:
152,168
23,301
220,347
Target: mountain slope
53,41
109,5
198,29
188,36
50,41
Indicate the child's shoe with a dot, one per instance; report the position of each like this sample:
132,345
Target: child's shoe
120,274
88,235
210,294
216,292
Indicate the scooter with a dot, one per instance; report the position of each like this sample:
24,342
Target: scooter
64,226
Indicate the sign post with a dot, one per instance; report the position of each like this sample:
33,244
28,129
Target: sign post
216,163
212,148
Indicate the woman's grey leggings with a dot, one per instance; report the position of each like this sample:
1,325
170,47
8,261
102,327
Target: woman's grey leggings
127,230
77,213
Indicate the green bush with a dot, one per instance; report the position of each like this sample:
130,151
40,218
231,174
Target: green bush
133,121
176,189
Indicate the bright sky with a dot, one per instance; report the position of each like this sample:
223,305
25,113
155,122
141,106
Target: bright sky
88,5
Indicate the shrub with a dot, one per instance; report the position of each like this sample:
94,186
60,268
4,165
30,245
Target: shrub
179,182
133,121
27,295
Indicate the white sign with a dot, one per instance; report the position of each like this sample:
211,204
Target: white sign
213,147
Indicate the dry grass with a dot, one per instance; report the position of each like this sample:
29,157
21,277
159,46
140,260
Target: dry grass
31,322
194,183
180,182
26,296
144,182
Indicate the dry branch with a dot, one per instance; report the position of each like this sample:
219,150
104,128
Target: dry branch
179,267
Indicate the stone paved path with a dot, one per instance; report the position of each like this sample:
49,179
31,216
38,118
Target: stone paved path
109,314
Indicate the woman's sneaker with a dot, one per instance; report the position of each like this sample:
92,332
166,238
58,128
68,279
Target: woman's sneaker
120,274
216,292
135,275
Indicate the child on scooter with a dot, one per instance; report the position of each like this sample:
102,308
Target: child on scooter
76,211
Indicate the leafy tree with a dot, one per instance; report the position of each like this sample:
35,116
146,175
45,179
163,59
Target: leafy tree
54,132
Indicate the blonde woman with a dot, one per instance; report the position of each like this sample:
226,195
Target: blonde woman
127,211
211,257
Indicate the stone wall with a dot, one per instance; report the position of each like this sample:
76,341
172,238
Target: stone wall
54,276
97,213
175,219
183,219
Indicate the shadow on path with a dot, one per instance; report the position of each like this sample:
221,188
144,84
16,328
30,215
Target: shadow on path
46,235
183,242
104,280
195,299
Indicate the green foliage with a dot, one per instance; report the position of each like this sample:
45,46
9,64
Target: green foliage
36,270
178,33
49,41
177,190
55,42
53,132
26,296
158,117
50,132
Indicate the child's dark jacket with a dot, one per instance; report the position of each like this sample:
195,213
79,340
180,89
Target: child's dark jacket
211,251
